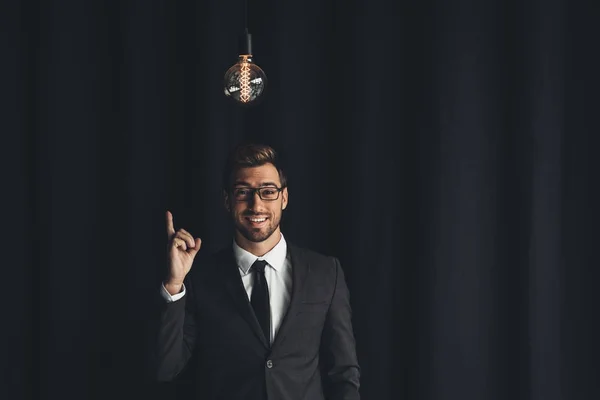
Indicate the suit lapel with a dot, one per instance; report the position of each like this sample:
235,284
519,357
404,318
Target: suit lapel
300,271
235,287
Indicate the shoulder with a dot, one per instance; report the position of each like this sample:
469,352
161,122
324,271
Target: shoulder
214,256
211,261
313,258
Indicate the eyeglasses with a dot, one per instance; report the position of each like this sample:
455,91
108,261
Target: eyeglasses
268,193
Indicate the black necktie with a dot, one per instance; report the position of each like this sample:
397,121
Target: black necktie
260,298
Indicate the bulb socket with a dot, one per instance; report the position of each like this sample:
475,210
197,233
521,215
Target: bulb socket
245,43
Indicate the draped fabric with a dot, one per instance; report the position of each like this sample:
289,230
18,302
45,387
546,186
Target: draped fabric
444,151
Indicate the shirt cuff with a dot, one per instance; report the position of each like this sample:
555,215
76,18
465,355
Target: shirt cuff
171,298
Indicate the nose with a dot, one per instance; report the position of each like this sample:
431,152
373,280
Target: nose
254,199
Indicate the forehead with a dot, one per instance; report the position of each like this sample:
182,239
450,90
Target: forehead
256,176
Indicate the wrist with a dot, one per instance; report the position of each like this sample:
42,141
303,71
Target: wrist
173,287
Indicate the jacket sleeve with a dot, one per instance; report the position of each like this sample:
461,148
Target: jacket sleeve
341,372
176,334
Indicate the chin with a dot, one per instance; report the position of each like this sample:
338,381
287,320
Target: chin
256,236
257,239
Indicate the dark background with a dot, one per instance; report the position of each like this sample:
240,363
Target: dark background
445,151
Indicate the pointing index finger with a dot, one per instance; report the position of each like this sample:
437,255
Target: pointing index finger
170,229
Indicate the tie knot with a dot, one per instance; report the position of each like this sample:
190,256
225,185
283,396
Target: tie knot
259,266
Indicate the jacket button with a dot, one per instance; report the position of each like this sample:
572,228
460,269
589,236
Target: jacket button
269,364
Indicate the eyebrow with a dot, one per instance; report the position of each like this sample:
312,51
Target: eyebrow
263,184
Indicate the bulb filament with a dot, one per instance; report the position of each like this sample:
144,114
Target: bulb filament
245,82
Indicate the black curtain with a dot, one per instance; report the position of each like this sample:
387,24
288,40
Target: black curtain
445,151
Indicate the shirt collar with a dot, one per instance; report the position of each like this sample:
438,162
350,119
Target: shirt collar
275,257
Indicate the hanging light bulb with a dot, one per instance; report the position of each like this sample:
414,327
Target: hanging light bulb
245,82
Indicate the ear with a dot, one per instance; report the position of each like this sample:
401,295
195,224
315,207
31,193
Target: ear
284,198
226,201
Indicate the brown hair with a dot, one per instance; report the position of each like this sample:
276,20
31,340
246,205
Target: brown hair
251,155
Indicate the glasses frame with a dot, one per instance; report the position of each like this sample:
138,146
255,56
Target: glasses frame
257,190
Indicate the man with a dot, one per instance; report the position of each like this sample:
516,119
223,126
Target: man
265,319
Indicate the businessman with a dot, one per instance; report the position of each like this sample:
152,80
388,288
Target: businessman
264,319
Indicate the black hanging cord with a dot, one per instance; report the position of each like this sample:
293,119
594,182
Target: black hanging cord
246,39
245,16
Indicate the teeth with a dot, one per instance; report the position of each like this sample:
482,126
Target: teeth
258,219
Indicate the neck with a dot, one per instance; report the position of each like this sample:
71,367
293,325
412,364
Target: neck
258,249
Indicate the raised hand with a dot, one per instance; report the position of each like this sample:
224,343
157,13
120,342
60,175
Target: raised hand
182,249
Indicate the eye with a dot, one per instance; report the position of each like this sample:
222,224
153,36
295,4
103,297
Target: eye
269,192
241,192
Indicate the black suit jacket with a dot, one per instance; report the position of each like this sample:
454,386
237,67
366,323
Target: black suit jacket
313,356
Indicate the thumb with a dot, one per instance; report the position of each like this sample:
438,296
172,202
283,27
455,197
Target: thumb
194,250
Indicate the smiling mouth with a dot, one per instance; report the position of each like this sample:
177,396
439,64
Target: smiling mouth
256,220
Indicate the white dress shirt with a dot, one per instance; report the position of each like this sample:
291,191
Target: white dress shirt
278,274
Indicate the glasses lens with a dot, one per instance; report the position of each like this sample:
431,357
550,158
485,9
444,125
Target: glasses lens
241,194
269,193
